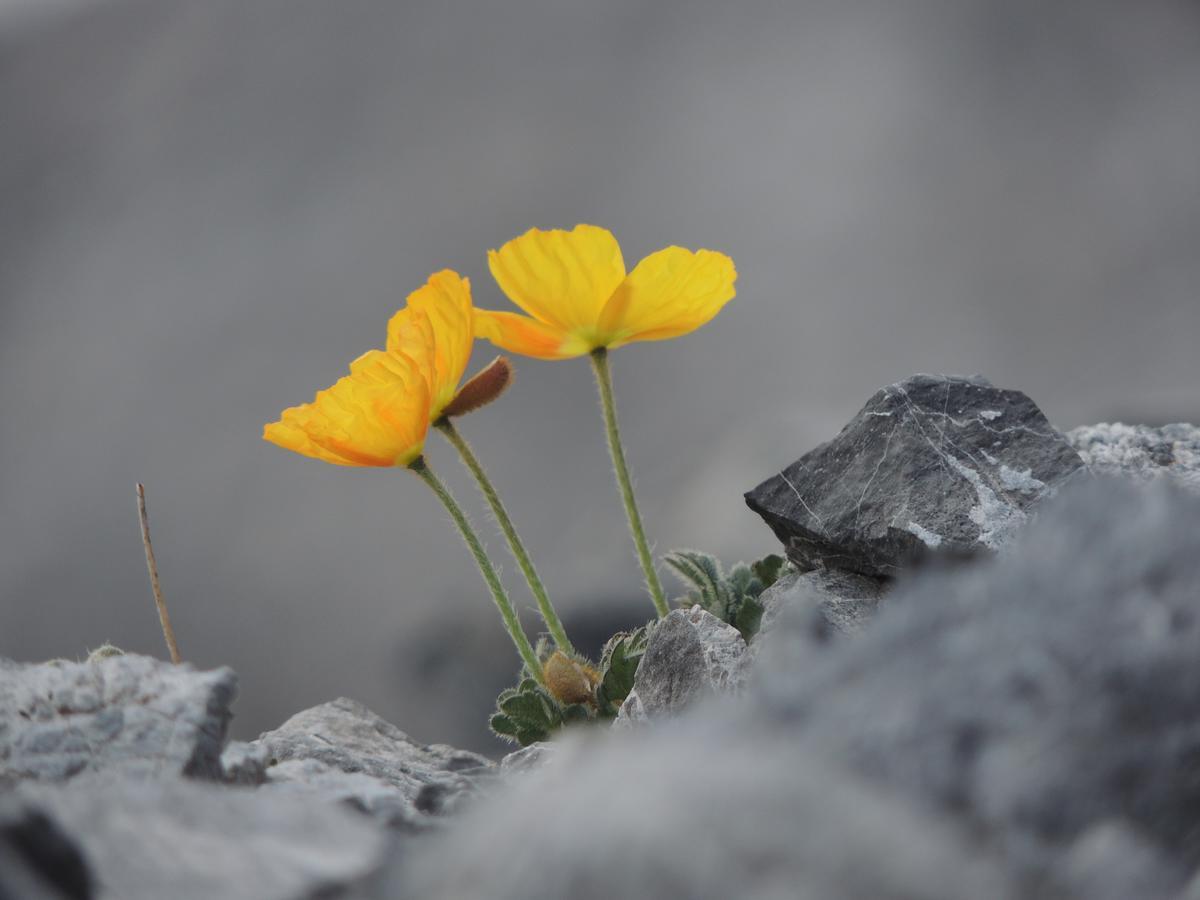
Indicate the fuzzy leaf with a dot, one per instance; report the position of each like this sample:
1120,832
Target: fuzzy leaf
619,663
503,726
749,618
768,569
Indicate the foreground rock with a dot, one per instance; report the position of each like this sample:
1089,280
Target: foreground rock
1034,696
189,840
38,861
1141,452
1025,726
835,601
342,752
133,714
691,654
931,464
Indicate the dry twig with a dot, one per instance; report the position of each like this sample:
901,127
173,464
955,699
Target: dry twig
152,567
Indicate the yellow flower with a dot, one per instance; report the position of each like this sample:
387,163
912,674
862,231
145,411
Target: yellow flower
380,413
579,298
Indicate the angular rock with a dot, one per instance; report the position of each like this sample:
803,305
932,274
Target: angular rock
527,759
343,752
1141,452
931,464
691,654
132,714
37,861
192,840
1035,695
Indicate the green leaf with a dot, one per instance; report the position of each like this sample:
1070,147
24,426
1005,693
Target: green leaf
619,663
749,618
768,569
503,726
575,712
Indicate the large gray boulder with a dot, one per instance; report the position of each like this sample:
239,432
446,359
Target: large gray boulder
1140,451
191,840
932,464
133,714
342,752
1034,695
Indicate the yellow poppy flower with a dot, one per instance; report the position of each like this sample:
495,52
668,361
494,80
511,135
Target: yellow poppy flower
445,300
578,297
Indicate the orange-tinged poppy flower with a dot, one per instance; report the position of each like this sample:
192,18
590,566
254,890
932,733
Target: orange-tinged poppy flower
445,300
578,297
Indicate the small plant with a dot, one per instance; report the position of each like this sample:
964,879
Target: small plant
580,301
573,690
732,598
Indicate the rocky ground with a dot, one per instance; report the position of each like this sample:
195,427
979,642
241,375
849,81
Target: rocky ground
980,679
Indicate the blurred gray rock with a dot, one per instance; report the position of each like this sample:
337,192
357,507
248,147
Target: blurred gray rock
37,861
1034,695
696,811
133,714
838,602
931,464
189,840
1141,452
244,763
527,759
1111,861
691,654
342,752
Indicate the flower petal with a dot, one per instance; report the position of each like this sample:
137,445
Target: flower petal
529,337
446,300
561,278
377,415
668,294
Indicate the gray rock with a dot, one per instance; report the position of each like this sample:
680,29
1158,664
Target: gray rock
1034,695
704,813
527,759
190,840
1141,452
244,762
37,861
838,602
1112,861
134,714
691,654
343,752
932,464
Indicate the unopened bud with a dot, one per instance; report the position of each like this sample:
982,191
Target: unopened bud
482,388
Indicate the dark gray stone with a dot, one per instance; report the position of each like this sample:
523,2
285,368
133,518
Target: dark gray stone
1034,695
932,464
691,654
1112,861
193,840
132,714
343,752
1141,452
37,861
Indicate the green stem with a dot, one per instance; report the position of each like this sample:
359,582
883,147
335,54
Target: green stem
553,623
604,382
511,623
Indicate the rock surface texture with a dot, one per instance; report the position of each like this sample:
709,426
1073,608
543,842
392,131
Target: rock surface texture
691,654
1141,452
930,464
134,714
343,752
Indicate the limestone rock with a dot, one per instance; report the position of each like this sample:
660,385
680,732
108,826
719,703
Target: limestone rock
691,653
37,861
1141,452
133,714
931,464
341,751
836,601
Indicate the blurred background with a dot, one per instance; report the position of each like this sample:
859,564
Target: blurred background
208,209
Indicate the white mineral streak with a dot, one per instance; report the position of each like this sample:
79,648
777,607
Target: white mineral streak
931,539
990,414
996,519
1016,480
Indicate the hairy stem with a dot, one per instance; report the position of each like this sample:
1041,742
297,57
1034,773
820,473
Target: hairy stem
507,613
604,382
553,623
